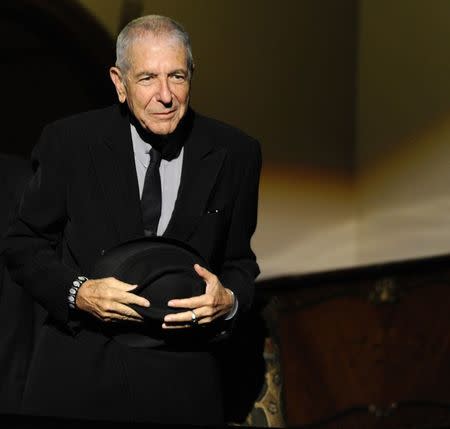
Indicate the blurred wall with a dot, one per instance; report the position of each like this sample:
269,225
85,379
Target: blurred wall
403,130
350,100
49,68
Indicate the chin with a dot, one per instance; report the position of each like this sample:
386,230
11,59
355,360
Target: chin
163,129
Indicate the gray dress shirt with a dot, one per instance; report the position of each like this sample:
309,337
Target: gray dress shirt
170,173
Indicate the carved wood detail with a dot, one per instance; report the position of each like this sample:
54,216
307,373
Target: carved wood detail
369,348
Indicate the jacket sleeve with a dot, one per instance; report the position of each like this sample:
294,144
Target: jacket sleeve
33,239
240,268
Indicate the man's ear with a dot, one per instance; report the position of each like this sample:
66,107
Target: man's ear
117,78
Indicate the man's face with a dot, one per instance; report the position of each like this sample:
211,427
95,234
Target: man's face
157,84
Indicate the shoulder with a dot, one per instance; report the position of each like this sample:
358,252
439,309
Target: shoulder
14,166
227,136
88,121
15,171
68,135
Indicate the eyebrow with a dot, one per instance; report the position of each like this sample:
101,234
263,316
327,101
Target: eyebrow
145,73
183,71
173,72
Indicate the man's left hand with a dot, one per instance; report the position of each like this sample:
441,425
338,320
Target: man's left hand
215,302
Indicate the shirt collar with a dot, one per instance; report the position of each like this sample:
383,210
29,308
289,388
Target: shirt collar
141,148
170,145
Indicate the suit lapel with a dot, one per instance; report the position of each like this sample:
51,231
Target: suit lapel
114,163
201,165
115,167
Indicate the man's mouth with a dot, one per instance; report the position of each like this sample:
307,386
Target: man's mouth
168,113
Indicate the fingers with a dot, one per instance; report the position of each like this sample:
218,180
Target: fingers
184,319
129,298
122,312
180,320
118,284
204,273
177,326
215,302
194,302
120,293
212,297
108,299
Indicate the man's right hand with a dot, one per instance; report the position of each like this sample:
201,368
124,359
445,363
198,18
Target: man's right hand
107,300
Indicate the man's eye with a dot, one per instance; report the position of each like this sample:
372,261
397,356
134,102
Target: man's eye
145,79
178,77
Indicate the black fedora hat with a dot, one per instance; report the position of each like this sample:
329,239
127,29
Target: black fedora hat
163,269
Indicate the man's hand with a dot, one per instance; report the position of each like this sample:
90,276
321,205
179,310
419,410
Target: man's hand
215,302
107,299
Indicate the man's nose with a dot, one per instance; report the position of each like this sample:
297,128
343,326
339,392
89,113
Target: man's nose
165,95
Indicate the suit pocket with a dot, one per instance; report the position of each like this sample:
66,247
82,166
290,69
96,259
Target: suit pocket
214,218
213,211
212,230
217,208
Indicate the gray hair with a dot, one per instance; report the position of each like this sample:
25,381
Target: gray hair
155,25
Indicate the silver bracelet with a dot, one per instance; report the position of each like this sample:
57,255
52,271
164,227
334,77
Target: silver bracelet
230,292
74,290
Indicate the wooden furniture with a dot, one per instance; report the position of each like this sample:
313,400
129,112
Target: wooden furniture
363,348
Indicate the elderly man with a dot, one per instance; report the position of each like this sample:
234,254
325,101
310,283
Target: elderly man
93,188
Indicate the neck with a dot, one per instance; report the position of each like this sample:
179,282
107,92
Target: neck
168,144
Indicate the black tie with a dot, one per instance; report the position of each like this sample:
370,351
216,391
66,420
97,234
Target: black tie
151,194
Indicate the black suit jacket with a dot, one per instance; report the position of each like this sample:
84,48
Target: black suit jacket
83,199
20,318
